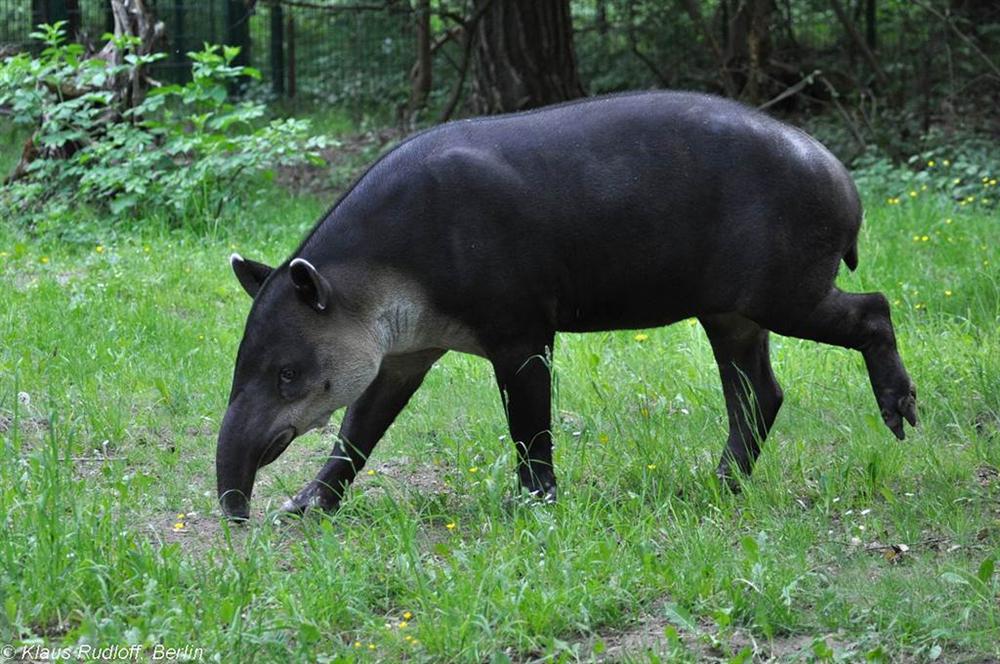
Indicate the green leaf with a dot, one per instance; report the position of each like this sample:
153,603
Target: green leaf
118,205
985,572
226,611
680,617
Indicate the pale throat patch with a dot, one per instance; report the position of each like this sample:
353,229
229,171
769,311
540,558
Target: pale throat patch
406,317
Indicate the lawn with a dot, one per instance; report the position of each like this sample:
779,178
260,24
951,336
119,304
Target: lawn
115,364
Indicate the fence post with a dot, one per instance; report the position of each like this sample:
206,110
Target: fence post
178,47
291,55
277,50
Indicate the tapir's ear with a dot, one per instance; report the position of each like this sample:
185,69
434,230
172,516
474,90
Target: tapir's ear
251,274
312,286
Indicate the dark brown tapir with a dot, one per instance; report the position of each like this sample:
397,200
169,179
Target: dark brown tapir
487,236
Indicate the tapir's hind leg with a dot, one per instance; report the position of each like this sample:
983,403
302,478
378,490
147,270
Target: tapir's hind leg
753,396
861,321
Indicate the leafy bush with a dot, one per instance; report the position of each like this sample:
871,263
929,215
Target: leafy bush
965,169
183,151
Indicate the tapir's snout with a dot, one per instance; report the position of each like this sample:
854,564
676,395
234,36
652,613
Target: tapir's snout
240,452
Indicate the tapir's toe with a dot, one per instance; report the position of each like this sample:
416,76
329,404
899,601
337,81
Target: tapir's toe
897,408
541,484
313,496
908,406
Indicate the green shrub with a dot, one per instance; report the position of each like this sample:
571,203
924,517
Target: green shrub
965,169
185,151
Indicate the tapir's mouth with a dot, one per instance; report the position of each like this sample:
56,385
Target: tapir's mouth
277,445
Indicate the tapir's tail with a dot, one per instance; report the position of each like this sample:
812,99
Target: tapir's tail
851,257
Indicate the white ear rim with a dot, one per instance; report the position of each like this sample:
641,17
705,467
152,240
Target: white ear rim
309,266
235,258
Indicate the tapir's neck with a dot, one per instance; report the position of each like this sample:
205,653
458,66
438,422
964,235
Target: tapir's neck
403,319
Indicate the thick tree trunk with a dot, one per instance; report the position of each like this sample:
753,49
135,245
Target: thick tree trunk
748,44
524,56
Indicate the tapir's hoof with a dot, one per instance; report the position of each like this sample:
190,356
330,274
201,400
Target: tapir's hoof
898,409
731,473
312,498
540,489
728,479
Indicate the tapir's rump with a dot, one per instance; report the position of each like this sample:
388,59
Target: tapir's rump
490,235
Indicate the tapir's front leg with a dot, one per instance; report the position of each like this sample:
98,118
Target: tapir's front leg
522,372
364,424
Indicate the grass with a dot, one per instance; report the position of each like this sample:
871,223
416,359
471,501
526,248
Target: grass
116,356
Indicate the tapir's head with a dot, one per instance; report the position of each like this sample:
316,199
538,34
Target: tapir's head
305,353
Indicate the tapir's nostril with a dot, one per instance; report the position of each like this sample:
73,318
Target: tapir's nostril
235,505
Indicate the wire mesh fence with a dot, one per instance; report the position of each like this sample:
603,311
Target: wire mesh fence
338,51
330,52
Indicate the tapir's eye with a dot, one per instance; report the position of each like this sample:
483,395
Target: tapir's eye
287,375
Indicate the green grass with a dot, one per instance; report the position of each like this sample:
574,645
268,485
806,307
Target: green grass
122,359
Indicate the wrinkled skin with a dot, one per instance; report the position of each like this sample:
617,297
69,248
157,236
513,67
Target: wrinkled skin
489,236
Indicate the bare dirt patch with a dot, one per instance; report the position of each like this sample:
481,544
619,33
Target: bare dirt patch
987,476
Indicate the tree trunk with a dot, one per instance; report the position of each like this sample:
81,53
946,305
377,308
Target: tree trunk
420,75
524,56
859,42
748,44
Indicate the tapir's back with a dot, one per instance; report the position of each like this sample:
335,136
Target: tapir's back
597,206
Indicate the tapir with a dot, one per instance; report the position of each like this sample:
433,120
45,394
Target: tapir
489,235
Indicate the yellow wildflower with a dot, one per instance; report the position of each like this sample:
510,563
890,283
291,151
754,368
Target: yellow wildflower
930,164
99,248
450,526
946,162
474,469
924,238
371,472
912,193
947,293
407,615
403,624
651,466
43,260
641,337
